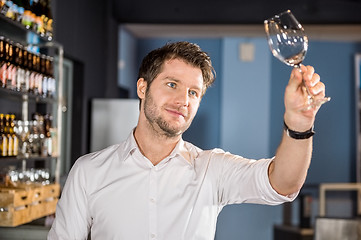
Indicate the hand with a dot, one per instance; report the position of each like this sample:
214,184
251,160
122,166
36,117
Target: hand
296,97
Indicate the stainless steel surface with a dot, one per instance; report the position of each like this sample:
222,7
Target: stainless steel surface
337,229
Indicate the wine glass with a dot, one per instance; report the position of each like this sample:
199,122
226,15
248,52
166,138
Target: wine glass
288,43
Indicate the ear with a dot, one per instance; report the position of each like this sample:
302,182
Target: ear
141,88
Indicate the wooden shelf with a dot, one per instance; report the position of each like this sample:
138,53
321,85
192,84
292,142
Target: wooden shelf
32,158
17,31
20,96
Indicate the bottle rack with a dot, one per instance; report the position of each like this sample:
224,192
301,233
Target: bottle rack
18,33
38,199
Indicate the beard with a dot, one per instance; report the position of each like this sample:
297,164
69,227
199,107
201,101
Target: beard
154,118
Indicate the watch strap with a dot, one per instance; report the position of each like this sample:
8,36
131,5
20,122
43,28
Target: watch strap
298,135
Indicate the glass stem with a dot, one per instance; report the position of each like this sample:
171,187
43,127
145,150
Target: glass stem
309,95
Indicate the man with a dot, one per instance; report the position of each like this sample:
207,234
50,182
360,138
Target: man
154,185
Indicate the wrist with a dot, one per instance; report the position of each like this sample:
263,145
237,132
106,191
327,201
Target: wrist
297,122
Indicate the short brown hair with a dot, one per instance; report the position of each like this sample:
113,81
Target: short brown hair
191,53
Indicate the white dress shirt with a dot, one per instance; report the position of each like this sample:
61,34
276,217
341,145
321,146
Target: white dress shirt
117,193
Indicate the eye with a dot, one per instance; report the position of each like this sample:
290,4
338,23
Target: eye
171,84
193,93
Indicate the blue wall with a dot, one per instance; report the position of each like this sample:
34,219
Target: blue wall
127,62
243,113
245,109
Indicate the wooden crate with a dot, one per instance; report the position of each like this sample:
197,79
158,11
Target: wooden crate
41,192
51,191
12,217
37,193
14,208
15,197
27,202
36,210
43,208
15,216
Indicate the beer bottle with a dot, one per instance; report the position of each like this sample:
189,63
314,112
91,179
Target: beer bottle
39,78
2,48
51,79
21,8
3,61
20,72
26,71
14,136
17,65
3,138
31,71
26,21
2,3
10,10
51,85
44,82
49,23
10,83
36,74
8,135
49,140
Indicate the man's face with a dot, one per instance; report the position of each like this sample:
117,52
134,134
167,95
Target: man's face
172,101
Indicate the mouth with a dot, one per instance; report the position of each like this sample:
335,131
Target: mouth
176,113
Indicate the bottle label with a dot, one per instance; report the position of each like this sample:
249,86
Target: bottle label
10,145
16,145
32,81
27,80
4,146
13,77
3,75
9,76
45,86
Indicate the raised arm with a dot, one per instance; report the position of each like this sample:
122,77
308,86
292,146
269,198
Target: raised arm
288,171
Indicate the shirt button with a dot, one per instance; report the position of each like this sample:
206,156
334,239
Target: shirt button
152,235
152,200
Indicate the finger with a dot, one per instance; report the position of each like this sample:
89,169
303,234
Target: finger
295,79
303,68
318,90
314,80
308,72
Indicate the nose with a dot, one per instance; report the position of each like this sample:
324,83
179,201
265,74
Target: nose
182,98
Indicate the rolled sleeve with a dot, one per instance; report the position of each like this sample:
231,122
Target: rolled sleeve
275,197
243,180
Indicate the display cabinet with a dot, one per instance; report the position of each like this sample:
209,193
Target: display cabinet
30,173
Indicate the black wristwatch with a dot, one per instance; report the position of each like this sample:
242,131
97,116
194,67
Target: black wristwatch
298,135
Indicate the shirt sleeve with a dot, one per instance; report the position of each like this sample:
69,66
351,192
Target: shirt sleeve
242,180
72,218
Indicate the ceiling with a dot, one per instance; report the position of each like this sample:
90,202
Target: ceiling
315,32
235,11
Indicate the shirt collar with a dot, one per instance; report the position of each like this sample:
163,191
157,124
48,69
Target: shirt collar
183,150
129,146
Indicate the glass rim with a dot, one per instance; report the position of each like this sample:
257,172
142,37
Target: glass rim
277,16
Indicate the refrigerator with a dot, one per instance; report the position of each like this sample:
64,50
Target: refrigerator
112,120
